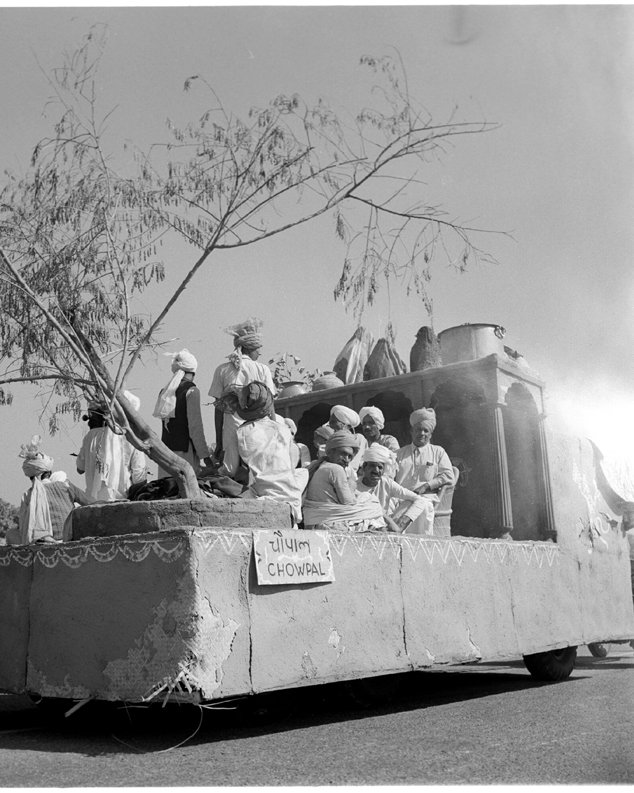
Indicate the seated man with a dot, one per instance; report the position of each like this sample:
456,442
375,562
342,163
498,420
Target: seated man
401,507
343,418
320,436
372,422
265,447
329,501
422,467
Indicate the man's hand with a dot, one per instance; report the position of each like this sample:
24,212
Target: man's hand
424,488
403,523
392,525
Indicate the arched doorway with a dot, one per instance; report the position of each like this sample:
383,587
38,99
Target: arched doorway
525,464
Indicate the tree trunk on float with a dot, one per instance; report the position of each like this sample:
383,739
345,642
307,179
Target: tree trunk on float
137,431
143,437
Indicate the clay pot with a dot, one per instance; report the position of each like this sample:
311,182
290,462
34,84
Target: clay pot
293,388
327,380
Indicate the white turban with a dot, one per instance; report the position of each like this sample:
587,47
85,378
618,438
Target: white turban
378,454
375,414
346,415
182,362
341,439
35,461
426,416
247,335
35,466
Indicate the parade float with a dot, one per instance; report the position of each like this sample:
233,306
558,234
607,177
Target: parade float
204,600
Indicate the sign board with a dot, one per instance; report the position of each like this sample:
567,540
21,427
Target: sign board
292,556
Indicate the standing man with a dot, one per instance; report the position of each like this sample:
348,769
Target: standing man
178,407
110,462
241,369
46,506
422,467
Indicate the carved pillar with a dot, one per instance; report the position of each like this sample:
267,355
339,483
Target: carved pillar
503,511
548,528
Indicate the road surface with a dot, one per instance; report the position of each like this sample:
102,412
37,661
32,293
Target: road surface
476,724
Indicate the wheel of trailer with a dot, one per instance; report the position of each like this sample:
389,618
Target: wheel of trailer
599,650
553,665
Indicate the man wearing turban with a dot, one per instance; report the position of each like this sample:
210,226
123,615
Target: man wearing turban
110,462
178,407
372,422
320,436
401,507
422,467
47,504
330,503
265,446
241,369
342,418
346,419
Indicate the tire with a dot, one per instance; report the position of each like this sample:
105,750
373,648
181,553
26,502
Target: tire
599,650
553,665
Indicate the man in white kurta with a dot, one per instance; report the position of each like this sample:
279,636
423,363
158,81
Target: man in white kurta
265,447
422,467
372,422
241,369
401,507
264,444
111,464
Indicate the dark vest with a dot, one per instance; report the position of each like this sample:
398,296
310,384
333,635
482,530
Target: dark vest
175,433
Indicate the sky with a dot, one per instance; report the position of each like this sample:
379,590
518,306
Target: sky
556,175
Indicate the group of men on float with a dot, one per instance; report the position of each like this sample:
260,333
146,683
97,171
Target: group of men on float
357,482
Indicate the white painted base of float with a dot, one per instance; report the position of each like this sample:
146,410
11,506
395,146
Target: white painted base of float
139,616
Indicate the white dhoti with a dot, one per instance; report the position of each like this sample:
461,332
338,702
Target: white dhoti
424,523
231,456
365,515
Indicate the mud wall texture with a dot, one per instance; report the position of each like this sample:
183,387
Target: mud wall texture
137,618
140,616
137,517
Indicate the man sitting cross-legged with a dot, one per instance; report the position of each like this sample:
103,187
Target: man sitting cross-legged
329,502
401,507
